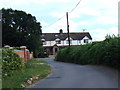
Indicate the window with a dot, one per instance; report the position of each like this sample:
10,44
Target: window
58,42
67,42
43,41
56,35
85,40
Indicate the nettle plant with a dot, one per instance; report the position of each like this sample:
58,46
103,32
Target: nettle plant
10,62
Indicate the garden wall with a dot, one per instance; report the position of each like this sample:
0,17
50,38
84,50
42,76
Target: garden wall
23,53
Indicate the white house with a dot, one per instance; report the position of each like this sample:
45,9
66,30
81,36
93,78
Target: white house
55,41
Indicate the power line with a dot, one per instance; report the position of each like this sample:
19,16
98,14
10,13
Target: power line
75,6
55,22
64,15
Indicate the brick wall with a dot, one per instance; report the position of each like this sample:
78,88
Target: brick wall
20,53
23,53
31,55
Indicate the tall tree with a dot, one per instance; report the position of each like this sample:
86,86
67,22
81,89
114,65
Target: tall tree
20,28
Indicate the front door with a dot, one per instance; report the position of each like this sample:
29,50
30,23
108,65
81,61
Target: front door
55,49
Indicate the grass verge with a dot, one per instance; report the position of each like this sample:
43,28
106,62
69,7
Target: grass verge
30,70
0,68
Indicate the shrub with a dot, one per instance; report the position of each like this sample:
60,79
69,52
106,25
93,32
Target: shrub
18,48
106,52
10,62
112,52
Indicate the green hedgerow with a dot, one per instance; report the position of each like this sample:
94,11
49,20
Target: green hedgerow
10,62
105,52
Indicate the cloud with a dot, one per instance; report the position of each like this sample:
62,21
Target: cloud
73,25
43,23
99,16
113,30
57,14
63,14
100,4
106,20
84,23
74,15
88,11
51,1
99,34
61,24
23,2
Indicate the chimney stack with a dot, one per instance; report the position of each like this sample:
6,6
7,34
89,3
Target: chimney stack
61,31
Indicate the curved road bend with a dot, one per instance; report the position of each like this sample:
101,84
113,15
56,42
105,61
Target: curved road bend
66,75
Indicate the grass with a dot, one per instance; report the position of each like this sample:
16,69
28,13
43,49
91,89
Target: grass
37,61
0,68
27,72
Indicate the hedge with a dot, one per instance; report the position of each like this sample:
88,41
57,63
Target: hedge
105,52
10,62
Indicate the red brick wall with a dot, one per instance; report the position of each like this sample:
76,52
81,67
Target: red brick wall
20,53
31,55
24,54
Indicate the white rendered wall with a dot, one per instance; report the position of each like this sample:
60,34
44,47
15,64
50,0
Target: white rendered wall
64,42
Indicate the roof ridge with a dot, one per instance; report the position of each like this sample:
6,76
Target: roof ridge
65,32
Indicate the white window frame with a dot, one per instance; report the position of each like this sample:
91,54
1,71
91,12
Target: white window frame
58,41
86,40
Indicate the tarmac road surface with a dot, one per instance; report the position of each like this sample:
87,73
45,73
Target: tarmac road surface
67,75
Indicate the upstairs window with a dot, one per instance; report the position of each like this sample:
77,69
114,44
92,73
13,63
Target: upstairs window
85,40
43,41
67,42
58,41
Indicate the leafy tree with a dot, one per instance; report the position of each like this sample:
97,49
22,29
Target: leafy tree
20,28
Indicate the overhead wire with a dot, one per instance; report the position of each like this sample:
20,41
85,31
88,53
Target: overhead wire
64,15
55,22
75,6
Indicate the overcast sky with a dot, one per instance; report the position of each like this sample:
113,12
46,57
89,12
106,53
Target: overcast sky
98,17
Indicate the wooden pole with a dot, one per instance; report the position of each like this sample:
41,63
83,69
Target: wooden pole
68,28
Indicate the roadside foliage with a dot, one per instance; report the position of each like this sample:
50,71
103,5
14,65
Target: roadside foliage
22,29
18,74
105,52
10,62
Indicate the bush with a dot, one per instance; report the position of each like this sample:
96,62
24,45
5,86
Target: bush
106,52
10,62
18,48
67,54
112,52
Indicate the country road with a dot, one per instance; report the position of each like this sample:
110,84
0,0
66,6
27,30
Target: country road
67,75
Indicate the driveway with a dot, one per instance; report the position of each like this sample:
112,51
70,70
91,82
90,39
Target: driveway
67,75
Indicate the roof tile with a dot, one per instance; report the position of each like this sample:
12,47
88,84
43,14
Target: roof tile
63,36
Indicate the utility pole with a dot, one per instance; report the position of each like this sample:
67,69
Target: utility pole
68,28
